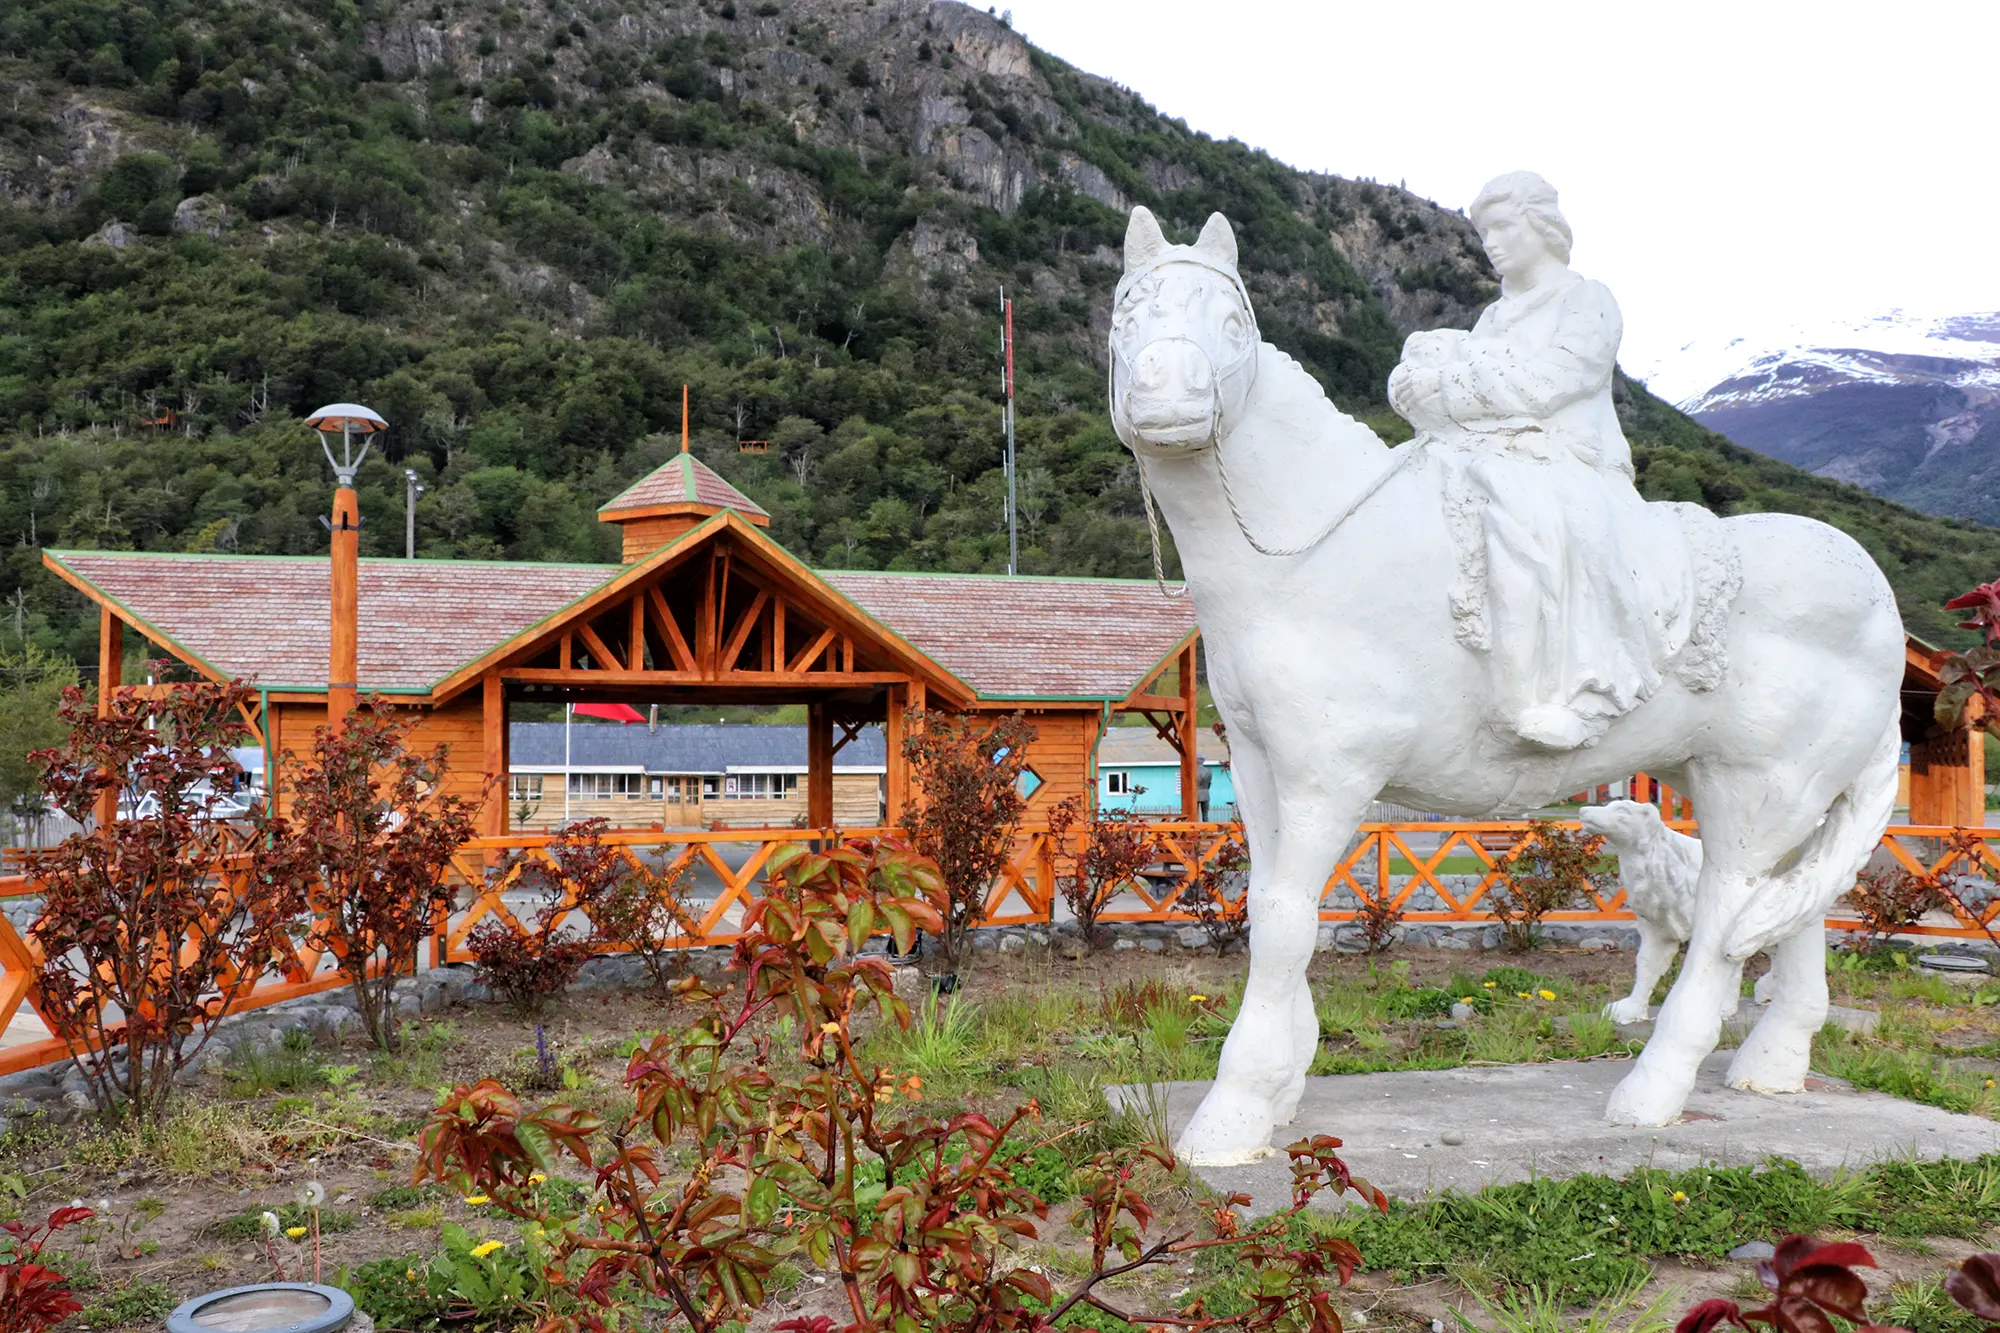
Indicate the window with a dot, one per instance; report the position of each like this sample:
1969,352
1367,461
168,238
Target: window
524,786
606,786
759,786
1118,782
656,788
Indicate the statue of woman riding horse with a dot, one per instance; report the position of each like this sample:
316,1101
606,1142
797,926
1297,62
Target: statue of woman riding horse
1489,618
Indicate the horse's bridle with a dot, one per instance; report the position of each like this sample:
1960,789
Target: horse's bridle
1126,284
1117,361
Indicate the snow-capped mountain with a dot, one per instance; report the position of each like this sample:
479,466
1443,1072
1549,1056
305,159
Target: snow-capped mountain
1905,405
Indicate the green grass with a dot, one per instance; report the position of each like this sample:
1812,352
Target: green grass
249,1223
137,1303
1913,1075
1591,1238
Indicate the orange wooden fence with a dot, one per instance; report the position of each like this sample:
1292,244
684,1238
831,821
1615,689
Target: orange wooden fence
1434,872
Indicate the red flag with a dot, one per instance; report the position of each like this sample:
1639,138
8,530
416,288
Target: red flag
610,712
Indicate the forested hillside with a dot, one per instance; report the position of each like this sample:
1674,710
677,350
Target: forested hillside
517,228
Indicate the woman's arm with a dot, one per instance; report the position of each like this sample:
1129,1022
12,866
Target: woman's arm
1497,379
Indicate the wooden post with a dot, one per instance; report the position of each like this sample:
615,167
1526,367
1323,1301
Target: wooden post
110,674
493,818
819,767
1190,748
896,786
344,631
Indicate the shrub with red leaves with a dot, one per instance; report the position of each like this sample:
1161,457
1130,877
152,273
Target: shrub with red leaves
1808,1282
368,840
152,929
33,1296
733,1161
1975,1285
528,965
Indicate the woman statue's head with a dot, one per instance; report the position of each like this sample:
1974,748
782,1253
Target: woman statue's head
1519,224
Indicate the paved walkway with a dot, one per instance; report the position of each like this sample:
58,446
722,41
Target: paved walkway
1518,1121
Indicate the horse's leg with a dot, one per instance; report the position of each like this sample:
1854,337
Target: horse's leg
1734,999
1776,1055
1261,1059
1253,780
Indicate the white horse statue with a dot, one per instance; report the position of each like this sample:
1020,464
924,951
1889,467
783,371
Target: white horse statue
1354,600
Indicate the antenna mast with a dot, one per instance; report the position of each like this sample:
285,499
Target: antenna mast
1007,418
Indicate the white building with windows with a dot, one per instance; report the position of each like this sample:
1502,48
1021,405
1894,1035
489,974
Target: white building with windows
690,775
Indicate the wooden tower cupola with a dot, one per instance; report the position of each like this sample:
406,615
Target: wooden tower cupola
672,498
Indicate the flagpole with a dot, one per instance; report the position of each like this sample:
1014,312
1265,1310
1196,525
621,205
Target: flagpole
569,711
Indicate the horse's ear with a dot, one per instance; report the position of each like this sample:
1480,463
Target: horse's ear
1143,239
1217,239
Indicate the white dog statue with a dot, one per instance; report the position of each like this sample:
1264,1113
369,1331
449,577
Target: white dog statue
1659,869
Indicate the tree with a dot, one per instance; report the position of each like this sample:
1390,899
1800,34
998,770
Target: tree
32,681
367,842
151,930
967,774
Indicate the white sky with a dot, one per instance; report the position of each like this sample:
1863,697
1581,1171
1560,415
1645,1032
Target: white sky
1728,167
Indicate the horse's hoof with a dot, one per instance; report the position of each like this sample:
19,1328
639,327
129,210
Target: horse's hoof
1229,1128
1645,1099
1768,1065
1626,1011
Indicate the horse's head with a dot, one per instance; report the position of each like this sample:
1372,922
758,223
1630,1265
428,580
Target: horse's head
1183,339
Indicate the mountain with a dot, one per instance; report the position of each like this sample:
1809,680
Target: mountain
517,227
1906,406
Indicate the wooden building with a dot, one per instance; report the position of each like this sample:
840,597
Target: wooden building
705,609
1947,767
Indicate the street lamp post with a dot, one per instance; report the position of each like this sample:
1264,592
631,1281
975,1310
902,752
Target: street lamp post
415,488
345,420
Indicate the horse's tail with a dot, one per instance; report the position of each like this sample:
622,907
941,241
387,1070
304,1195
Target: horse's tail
1824,866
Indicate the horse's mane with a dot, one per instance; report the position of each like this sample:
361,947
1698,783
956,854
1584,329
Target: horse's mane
1287,397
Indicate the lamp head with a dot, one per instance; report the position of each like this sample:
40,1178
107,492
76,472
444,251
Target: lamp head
346,420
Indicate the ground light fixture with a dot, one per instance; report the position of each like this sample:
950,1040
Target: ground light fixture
266,1307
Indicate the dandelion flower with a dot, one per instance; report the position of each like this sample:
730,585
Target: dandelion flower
829,1028
1989,1082
313,1194
410,1273
484,1248
536,1178
1522,995
1489,984
1465,999
1197,999
1680,1197
295,1232
272,1226
1546,994
477,1199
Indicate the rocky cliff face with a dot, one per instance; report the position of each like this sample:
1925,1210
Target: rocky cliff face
986,122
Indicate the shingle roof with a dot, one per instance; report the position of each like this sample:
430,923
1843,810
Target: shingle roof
264,618
682,479
1013,638
713,747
